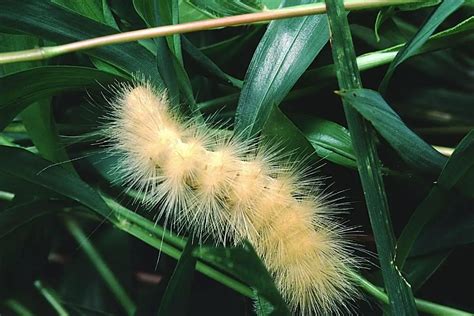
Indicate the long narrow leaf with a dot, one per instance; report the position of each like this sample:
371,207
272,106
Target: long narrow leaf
399,292
283,54
416,152
423,34
20,89
52,22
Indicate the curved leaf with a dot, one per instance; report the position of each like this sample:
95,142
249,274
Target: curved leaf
20,89
49,21
35,172
416,152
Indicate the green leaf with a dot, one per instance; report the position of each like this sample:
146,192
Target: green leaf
330,140
34,172
189,13
423,34
413,150
63,26
216,8
244,264
454,227
151,15
281,130
176,297
97,10
208,65
169,56
283,54
458,172
401,301
37,118
382,16
306,135
101,266
18,90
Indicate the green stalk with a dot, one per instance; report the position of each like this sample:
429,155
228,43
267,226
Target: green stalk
125,216
421,305
266,15
51,298
18,308
99,263
399,292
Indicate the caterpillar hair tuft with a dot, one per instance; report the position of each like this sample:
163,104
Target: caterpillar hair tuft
218,186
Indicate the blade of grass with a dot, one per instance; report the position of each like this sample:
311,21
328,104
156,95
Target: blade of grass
411,148
423,34
37,117
20,89
422,305
50,296
400,296
208,65
455,170
176,297
285,51
18,307
104,271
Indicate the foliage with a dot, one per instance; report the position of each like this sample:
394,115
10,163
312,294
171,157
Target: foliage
72,243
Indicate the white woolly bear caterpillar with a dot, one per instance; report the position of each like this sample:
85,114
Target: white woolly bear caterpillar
219,186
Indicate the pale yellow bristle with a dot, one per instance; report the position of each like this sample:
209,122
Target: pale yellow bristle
223,188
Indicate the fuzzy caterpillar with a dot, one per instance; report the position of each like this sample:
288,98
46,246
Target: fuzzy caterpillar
219,186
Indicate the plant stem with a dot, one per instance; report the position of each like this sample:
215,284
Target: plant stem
401,301
18,308
267,15
421,305
51,298
99,263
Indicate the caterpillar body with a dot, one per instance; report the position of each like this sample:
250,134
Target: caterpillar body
228,189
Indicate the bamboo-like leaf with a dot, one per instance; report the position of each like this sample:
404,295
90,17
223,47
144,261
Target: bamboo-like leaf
416,152
283,54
